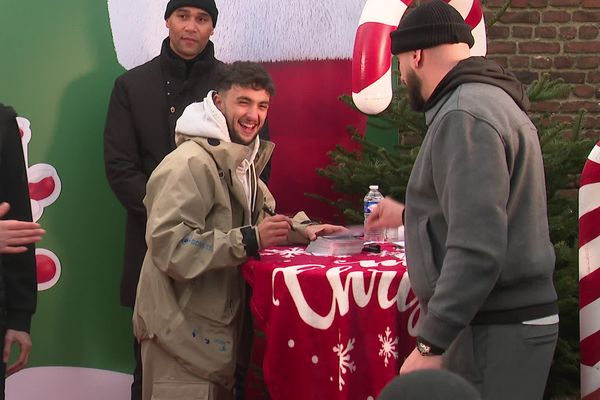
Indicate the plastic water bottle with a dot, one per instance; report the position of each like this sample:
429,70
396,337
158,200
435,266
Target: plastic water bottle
392,235
372,199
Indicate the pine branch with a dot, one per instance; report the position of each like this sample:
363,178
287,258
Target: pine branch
546,88
578,125
499,14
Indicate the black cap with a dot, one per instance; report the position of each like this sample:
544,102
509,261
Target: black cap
207,5
429,25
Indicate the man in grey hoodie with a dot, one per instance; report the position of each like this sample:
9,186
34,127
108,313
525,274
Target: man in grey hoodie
477,240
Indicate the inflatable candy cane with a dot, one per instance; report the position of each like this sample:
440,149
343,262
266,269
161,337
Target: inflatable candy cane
372,60
589,275
472,13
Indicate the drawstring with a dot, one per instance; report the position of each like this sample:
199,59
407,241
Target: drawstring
247,176
246,173
254,188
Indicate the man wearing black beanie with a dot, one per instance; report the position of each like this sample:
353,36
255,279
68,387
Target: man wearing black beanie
140,125
477,240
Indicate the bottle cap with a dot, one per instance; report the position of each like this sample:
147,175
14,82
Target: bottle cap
374,187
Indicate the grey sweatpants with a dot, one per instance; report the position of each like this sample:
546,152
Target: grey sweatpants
504,362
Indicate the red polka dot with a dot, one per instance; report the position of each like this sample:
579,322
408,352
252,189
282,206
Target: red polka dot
42,189
46,269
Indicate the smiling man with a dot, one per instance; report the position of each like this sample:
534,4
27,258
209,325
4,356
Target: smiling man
140,125
205,218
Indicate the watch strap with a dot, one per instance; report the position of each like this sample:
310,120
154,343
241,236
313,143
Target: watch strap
428,349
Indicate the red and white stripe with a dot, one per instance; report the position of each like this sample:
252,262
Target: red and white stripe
589,276
372,60
471,11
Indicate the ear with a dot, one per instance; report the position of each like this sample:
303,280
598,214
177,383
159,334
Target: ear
167,23
417,58
218,100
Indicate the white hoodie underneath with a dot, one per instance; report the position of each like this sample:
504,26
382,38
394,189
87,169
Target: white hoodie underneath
205,120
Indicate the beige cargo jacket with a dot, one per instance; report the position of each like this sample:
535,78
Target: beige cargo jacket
190,297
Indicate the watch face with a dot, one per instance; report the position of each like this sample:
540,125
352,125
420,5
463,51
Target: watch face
423,348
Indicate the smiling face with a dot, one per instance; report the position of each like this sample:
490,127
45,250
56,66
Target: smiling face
245,110
190,29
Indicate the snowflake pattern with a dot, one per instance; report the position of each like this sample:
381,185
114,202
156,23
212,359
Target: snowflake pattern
289,252
388,346
345,364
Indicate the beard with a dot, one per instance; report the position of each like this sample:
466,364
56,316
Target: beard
236,137
414,85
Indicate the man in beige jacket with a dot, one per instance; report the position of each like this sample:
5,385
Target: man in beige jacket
206,217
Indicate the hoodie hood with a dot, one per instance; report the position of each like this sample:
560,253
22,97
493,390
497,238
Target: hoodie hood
203,120
482,70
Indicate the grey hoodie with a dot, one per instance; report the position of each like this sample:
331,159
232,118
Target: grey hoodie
478,246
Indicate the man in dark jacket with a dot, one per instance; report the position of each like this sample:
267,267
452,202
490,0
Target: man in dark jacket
477,240
18,281
144,107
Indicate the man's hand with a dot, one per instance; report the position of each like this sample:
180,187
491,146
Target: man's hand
274,230
387,214
312,231
14,235
23,340
415,361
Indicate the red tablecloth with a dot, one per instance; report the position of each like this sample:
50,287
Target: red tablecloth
335,327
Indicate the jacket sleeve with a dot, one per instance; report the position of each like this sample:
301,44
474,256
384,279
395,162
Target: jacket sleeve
122,161
299,221
18,270
472,184
179,203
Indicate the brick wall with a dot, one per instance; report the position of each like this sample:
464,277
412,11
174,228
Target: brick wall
559,37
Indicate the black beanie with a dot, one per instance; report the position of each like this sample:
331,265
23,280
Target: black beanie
429,25
207,5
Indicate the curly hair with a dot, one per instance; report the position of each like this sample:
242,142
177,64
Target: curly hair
245,74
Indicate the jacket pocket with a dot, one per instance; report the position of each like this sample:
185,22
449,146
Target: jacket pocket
204,347
426,262
538,335
177,390
216,296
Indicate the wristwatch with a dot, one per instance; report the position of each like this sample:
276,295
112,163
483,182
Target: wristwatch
427,349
